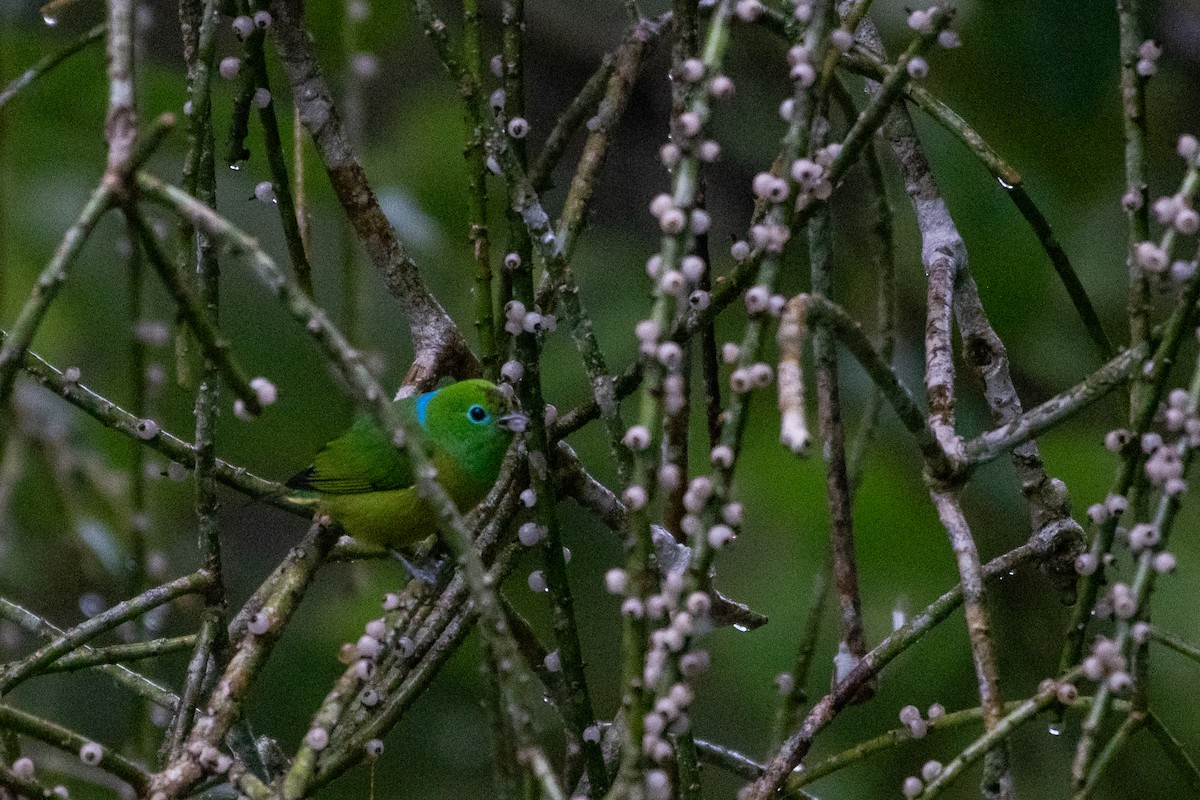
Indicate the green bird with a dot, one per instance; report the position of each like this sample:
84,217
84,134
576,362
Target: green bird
364,483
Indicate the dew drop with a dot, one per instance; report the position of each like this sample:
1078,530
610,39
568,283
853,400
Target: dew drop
1055,729
1006,184
49,20
740,627
235,166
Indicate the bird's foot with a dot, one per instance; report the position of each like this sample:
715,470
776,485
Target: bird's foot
431,568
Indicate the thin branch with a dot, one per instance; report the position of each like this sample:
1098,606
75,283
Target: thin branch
797,694
885,263
997,778
49,62
119,653
33,664
1176,643
134,681
1175,751
995,736
1063,406
17,340
289,209
216,347
1133,120
438,344
224,705
833,450
149,433
70,742
776,770
803,307
580,109
120,124
867,62
889,740
1133,722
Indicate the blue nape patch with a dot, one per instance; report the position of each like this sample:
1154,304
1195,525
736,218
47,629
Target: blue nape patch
423,406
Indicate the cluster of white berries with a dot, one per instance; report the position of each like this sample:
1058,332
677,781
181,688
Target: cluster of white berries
244,25
812,175
910,717
1174,212
674,397
679,614
913,785
680,617
697,496
673,220
800,66
1148,54
1113,506
1164,465
768,237
759,300
1107,665
1164,469
668,717
1064,692
922,20
530,533
363,655
754,376
517,319
208,756
265,392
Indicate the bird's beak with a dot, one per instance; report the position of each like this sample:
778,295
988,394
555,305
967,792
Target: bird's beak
515,422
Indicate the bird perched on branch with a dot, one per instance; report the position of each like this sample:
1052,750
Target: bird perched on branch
362,481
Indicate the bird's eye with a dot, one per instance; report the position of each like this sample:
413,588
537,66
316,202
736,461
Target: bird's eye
478,414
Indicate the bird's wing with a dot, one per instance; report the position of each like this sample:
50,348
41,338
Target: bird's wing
360,460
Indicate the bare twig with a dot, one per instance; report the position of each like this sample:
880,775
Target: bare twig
49,62
833,449
793,750
32,664
223,706
437,343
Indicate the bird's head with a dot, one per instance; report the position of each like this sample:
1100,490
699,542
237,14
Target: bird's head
470,425
471,409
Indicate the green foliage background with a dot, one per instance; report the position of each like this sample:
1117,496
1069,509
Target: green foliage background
1037,79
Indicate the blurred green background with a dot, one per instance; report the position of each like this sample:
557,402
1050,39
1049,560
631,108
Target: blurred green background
1037,79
